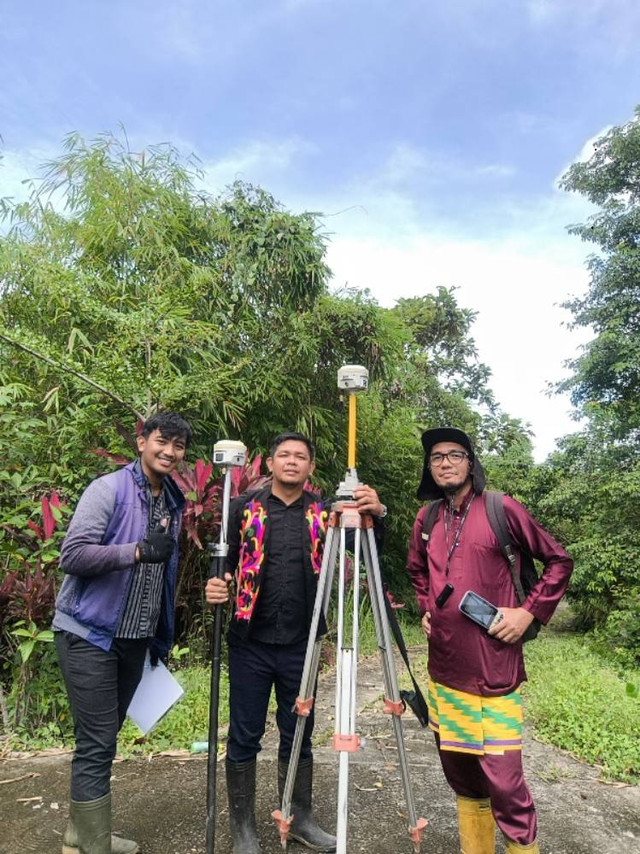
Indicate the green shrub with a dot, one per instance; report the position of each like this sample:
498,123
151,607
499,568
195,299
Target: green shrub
187,721
575,702
37,704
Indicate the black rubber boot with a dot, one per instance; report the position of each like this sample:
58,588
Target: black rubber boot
91,822
241,791
304,828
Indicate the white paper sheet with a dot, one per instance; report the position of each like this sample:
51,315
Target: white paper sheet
157,692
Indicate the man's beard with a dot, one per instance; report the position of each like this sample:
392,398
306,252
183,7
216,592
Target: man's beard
451,489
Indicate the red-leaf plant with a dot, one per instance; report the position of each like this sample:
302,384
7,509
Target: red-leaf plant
49,524
203,510
29,593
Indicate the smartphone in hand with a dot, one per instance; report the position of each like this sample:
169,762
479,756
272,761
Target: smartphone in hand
480,610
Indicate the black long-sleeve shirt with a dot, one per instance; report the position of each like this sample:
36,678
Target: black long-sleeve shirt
281,611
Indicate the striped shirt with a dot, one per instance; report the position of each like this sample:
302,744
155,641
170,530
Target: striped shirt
142,611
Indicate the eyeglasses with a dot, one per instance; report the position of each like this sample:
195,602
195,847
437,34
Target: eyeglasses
455,457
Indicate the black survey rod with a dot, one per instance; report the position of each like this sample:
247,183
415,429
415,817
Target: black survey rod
218,562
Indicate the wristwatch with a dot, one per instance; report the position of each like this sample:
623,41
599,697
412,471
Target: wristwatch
384,512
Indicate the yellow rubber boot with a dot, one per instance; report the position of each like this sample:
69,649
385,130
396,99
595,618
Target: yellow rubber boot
476,826
513,847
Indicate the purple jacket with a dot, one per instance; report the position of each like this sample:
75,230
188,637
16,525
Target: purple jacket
461,654
98,557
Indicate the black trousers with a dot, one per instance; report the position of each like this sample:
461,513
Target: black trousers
100,686
254,668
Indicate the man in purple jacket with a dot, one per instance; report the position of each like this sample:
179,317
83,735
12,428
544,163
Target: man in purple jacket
120,557
474,674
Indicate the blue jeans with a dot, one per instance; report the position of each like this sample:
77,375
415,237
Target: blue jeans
254,668
100,686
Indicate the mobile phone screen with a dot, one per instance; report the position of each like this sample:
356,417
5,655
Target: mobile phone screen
478,609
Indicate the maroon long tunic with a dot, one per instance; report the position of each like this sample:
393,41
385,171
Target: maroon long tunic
461,654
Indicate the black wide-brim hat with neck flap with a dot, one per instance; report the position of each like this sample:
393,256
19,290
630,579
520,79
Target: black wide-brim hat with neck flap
428,489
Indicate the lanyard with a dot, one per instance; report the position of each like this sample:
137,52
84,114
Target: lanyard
447,520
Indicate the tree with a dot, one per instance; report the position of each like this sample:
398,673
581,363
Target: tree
440,331
145,293
124,289
592,483
606,381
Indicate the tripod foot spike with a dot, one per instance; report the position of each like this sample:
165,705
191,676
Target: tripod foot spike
416,833
284,826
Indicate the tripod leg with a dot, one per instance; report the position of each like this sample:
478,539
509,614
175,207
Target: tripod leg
345,739
344,728
304,703
393,699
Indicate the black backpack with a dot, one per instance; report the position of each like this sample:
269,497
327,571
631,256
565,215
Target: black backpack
528,577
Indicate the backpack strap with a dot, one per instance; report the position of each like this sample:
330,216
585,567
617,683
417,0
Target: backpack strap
429,518
498,522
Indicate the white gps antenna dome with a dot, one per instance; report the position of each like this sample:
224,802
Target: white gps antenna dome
353,378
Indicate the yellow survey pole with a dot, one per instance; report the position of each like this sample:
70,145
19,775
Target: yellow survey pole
351,458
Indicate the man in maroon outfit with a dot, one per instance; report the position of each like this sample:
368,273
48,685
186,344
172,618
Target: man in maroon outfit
474,674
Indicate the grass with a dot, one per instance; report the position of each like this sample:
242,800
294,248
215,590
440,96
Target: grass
187,722
577,702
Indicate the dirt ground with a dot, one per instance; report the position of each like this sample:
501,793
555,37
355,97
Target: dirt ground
161,802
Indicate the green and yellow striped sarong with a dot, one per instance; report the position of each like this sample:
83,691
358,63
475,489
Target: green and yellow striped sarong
468,723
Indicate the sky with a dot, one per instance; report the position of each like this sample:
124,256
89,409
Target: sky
429,135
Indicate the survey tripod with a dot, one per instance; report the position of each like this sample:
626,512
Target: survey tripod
226,454
344,517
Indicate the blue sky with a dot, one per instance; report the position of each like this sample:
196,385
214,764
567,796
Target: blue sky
431,135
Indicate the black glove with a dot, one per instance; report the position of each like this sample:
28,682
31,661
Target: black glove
157,654
157,546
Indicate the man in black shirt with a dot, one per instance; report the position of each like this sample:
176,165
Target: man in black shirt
276,535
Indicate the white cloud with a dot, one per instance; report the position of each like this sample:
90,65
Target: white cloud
519,330
387,240
19,169
497,170
515,280
404,162
589,148
257,162
409,163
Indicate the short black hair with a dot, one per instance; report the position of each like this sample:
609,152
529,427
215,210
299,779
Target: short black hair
294,437
170,425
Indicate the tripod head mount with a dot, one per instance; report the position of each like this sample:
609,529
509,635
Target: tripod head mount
346,486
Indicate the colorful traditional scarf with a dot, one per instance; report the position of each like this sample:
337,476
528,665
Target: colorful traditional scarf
316,517
251,557
468,723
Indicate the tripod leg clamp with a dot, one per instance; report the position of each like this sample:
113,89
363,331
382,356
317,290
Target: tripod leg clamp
391,708
346,743
284,826
303,707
